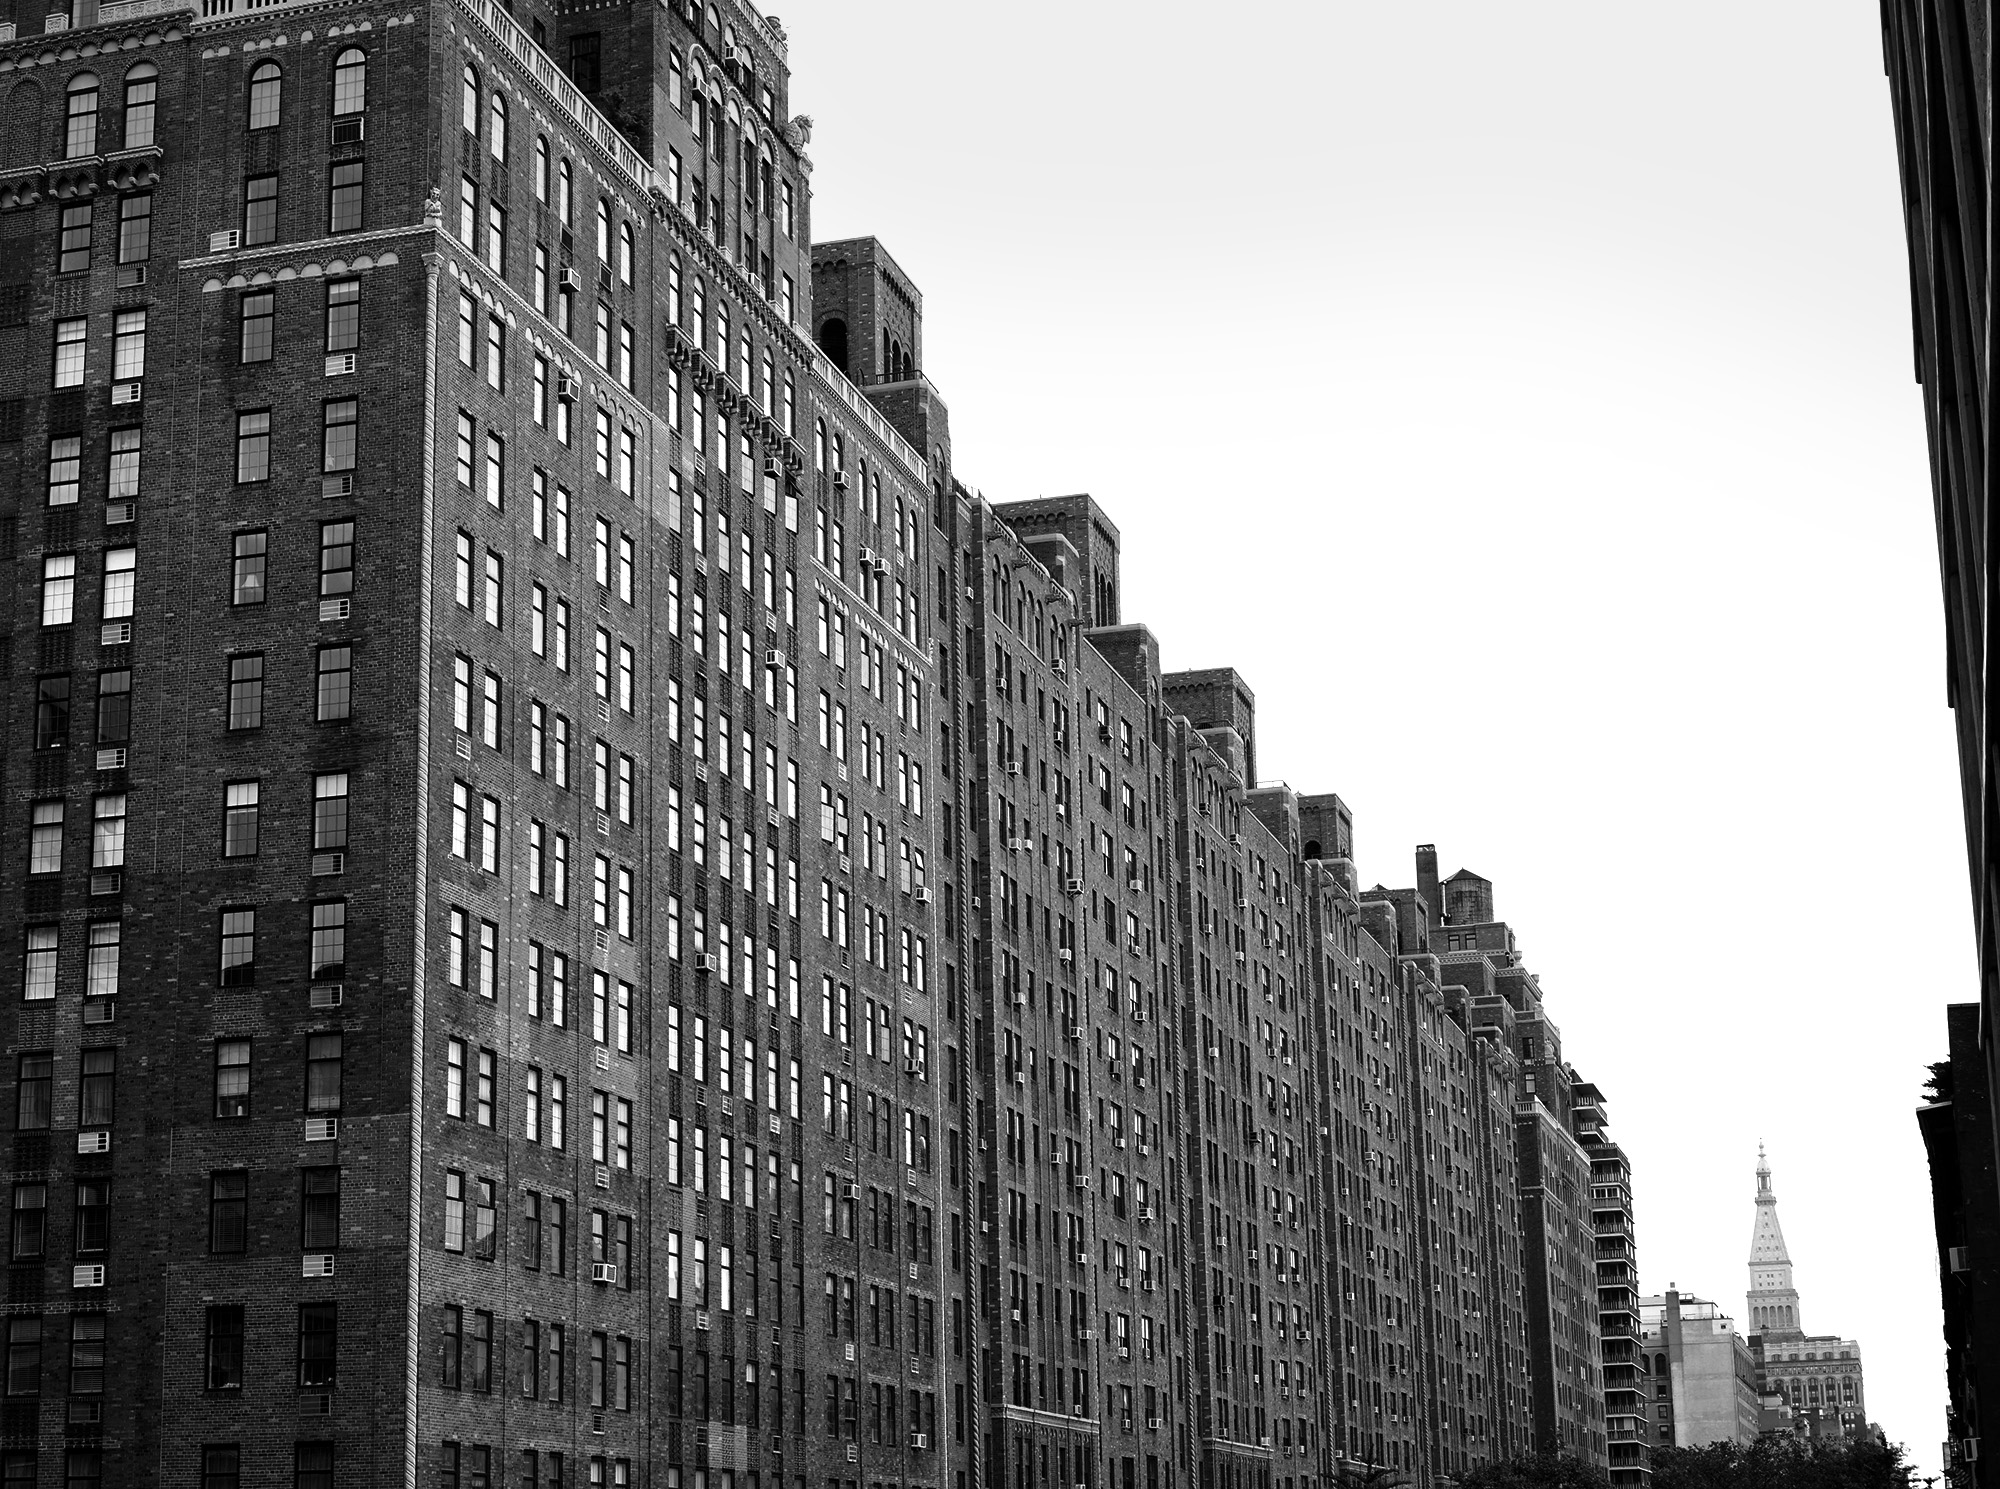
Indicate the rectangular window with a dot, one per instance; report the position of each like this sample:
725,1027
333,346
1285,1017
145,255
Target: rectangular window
336,558
323,1073
52,713
329,941
73,253
238,948
128,346
329,811
135,228
30,1224
45,838
319,1209
221,1466
256,316
121,477
318,1348
107,831
65,469
246,691
58,589
343,213
38,973
343,315
120,579
338,435
247,567
86,1355
335,690
69,344
228,1211
253,445
224,1340
100,979
260,210
34,1086
232,1078
312,1462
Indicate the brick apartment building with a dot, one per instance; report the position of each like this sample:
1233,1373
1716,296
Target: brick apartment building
588,914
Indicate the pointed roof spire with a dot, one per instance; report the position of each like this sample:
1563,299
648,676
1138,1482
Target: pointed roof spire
1767,1241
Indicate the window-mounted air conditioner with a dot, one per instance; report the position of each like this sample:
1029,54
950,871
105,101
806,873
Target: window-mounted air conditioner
604,1272
226,241
98,1141
340,364
89,1275
316,1264
322,1129
325,995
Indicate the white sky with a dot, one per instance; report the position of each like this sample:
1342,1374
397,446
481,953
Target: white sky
1520,397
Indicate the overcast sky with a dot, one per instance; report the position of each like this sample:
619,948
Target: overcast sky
1520,398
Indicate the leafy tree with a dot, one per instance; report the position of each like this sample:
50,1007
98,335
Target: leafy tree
1783,1463
1938,1084
1542,1471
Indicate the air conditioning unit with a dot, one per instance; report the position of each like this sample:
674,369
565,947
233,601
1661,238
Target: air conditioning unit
1015,1314
324,995
111,759
1020,845
1961,1258
1066,956
1152,1424
97,1141
701,1318
1236,841
1072,887
347,131
1214,1053
1013,767
852,1190
131,276
115,633
923,895
322,1129
109,881
340,364
324,864
840,484
1145,1214
1118,1140
771,466
340,485
316,1264
567,278
130,392
100,1011
226,241
705,962
565,387
1080,1182
774,659
1083,1260
604,1272
1020,1077
865,554
1263,1442
1124,1351
89,1275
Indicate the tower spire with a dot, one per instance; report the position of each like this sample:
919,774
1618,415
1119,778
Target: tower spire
1773,1300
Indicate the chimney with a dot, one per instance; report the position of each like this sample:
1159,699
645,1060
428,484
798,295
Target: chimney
1427,881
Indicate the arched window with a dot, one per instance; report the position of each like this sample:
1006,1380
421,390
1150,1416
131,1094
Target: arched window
819,444
267,86
674,289
624,253
350,82
496,127
142,86
563,196
541,168
80,132
603,232
468,101
833,341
